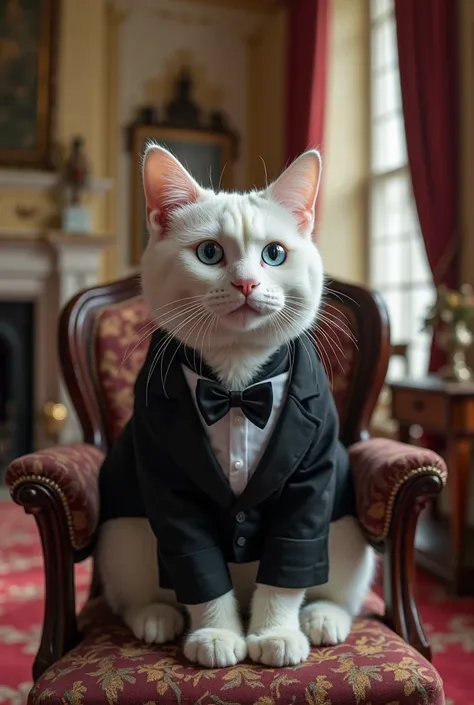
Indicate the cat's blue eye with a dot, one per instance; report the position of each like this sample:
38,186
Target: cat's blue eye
274,254
210,252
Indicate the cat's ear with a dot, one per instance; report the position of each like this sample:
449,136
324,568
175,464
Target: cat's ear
297,188
167,186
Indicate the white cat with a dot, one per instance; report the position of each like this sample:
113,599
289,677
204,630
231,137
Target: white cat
236,315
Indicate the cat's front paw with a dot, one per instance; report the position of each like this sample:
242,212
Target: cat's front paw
155,623
278,647
325,623
215,648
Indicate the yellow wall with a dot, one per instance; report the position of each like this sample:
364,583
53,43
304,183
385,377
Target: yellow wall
266,99
343,223
81,109
82,85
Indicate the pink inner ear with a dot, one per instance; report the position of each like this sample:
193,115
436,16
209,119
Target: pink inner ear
297,188
167,184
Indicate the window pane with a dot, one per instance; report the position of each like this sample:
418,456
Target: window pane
386,96
420,269
384,44
388,145
420,300
419,357
380,7
389,206
394,304
391,262
398,265
396,368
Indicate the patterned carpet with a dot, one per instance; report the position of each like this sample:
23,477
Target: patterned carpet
450,622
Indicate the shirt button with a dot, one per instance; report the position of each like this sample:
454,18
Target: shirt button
238,420
238,464
240,517
241,541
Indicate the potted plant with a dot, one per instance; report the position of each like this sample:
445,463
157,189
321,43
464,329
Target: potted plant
451,318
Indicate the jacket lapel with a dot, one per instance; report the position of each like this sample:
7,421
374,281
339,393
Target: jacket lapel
293,434
170,412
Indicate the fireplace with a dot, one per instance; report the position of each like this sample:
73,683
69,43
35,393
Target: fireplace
16,380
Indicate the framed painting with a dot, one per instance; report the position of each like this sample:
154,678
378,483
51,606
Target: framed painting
28,40
207,156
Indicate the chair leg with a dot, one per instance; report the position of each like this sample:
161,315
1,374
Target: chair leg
59,627
399,562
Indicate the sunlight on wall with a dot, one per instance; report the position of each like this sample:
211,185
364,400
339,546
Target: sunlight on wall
343,223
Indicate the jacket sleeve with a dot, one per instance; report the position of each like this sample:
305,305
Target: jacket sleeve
296,549
118,484
183,521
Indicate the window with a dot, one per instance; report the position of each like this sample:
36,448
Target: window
398,266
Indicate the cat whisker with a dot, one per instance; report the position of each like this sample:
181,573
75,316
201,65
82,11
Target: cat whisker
157,325
222,176
127,355
264,170
162,348
335,324
338,312
286,317
326,336
323,353
289,344
153,324
340,294
182,343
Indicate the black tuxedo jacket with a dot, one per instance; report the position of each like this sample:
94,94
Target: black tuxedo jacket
162,467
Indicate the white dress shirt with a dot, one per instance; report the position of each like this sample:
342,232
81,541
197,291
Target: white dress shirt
235,441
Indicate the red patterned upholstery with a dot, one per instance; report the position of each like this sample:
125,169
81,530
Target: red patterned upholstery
335,338
372,666
122,336
71,470
381,466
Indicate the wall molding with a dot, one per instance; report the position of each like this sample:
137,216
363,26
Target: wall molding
13,179
244,20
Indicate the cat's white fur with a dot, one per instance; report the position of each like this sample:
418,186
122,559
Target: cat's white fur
200,305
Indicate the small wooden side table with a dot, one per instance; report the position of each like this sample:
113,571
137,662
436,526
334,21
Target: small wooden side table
444,547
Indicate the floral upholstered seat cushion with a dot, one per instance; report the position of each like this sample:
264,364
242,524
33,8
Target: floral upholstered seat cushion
111,666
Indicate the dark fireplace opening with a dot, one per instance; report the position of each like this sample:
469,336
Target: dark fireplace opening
16,380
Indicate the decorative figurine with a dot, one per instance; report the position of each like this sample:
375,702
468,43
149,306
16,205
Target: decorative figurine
76,180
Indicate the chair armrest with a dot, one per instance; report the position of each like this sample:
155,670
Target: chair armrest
59,486
393,482
382,468
70,472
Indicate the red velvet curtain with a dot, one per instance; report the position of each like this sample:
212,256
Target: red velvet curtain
427,50
306,75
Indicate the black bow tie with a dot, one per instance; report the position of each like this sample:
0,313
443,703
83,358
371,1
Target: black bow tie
214,401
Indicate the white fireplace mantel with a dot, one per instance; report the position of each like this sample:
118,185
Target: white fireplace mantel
44,180
48,268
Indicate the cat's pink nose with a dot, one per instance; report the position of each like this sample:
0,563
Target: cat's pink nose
246,286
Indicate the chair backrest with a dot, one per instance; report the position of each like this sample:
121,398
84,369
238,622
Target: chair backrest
104,338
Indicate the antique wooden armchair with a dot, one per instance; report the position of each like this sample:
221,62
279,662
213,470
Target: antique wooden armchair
94,658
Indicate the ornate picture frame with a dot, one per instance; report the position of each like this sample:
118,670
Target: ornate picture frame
206,148
29,35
